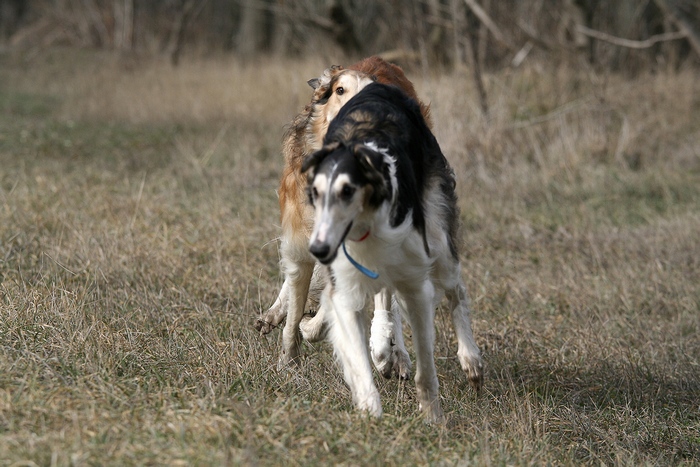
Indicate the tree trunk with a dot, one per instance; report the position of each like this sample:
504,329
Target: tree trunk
684,19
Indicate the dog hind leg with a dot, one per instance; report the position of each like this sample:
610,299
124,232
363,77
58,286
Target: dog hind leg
299,277
400,358
418,306
467,350
314,328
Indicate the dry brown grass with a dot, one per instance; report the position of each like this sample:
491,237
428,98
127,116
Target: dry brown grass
137,224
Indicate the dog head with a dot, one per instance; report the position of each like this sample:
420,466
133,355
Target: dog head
344,183
337,86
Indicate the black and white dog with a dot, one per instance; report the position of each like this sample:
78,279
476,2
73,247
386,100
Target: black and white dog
383,192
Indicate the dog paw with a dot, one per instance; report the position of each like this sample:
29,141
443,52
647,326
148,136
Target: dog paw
434,418
313,328
370,404
391,360
288,359
271,319
382,356
381,343
474,369
385,368
263,327
432,412
401,363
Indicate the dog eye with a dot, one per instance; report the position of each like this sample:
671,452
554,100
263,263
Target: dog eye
346,192
340,91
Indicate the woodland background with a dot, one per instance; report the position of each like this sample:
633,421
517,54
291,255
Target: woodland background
619,35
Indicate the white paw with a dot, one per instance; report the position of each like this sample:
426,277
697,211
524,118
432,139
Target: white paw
381,343
271,319
388,357
370,404
474,368
433,415
287,361
313,328
430,407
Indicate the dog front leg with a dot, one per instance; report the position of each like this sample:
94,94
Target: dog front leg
314,327
299,277
276,313
347,333
386,342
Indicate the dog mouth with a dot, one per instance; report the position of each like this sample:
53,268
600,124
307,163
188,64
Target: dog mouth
328,259
328,256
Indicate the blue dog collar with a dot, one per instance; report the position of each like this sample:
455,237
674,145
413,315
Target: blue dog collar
367,272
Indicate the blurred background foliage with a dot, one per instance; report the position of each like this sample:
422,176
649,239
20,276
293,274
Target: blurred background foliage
622,35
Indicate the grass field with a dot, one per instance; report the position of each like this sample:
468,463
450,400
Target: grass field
138,225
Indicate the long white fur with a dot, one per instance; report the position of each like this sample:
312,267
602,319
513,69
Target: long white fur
398,255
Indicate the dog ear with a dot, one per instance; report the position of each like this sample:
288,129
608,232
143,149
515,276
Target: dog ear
373,167
325,78
369,160
314,83
315,158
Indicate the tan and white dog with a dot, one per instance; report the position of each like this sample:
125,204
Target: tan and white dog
301,278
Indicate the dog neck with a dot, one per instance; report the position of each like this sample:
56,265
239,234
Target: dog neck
362,238
367,272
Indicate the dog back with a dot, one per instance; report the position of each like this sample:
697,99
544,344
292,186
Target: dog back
385,115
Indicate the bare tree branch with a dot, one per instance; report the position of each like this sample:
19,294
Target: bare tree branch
534,37
522,55
488,22
97,22
471,49
128,30
631,44
282,10
189,10
683,22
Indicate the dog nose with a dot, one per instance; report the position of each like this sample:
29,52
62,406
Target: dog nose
320,249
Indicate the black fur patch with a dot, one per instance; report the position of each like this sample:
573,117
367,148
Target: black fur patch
385,115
